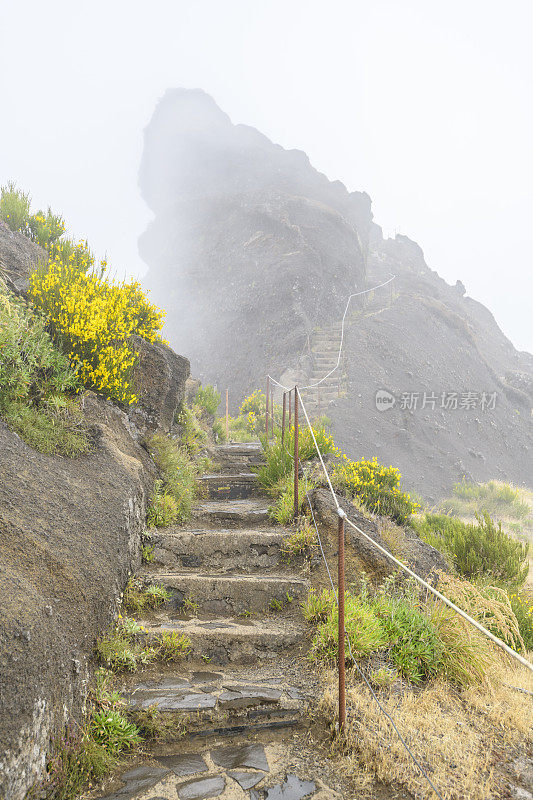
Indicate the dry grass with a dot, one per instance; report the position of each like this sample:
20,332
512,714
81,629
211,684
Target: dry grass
461,738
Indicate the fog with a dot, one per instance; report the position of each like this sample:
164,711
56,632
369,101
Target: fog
424,105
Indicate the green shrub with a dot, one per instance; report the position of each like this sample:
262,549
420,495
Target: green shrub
45,229
377,487
14,207
208,399
363,629
162,508
279,458
478,549
178,482
35,377
192,434
219,430
523,610
120,648
32,368
493,498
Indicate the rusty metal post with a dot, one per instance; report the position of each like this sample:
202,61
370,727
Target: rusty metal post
342,634
283,418
272,411
266,408
290,404
296,454
227,414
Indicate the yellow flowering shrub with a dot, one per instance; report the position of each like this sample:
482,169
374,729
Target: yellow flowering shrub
377,487
94,320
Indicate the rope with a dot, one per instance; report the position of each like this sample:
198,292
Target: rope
410,572
362,674
355,294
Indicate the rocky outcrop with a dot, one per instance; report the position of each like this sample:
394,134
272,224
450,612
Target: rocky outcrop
160,378
18,257
70,532
250,245
421,557
251,249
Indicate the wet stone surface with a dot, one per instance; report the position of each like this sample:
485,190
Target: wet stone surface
293,788
184,763
252,756
246,780
200,789
136,780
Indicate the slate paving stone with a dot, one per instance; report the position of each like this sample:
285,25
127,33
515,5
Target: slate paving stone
184,763
202,789
274,694
294,694
203,677
251,755
247,780
136,780
246,699
291,789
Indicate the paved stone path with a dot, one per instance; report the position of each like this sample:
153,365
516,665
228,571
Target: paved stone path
243,694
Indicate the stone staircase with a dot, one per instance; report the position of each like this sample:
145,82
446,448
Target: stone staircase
324,345
245,683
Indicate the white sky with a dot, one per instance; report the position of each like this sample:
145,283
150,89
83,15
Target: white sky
426,105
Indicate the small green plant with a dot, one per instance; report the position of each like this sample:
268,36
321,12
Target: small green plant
208,399
477,550
219,431
318,607
174,495
276,605
113,731
205,658
283,509
138,597
162,509
158,726
120,649
523,610
190,606
383,677
193,435
301,541
147,554
172,646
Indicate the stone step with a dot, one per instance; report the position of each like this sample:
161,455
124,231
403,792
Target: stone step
238,458
237,486
230,640
225,549
242,513
231,594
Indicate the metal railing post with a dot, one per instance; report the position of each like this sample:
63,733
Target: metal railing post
283,418
266,408
342,633
272,411
290,403
296,454
227,414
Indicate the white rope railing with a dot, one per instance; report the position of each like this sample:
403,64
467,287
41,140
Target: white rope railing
405,568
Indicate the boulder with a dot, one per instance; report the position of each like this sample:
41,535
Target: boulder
160,377
423,559
18,257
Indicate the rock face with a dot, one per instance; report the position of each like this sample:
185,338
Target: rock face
160,378
252,249
245,243
18,256
70,533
